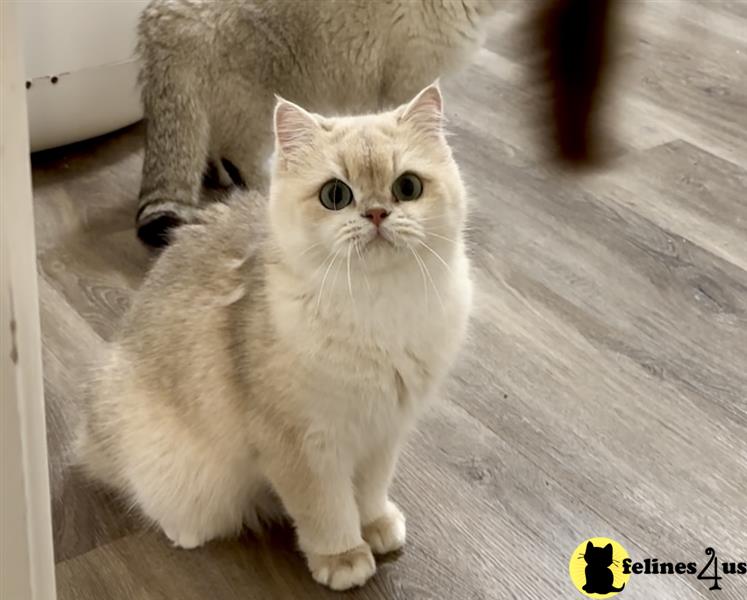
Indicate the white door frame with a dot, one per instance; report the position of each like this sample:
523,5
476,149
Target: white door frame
26,548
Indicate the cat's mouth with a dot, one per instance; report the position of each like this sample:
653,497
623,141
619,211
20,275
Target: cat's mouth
382,238
379,238
382,241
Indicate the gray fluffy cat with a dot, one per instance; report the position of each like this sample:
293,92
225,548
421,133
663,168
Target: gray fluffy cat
279,351
211,70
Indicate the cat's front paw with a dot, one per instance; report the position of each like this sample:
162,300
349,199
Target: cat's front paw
184,539
387,533
343,571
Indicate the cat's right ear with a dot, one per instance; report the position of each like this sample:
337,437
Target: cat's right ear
589,547
295,128
426,110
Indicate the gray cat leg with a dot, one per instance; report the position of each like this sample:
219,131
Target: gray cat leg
176,149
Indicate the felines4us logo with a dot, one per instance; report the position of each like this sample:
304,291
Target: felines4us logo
601,568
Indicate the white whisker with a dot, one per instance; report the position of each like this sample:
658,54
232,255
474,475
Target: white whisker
337,273
365,267
321,266
324,279
310,248
442,237
436,254
350,283
429,219
422,274
433,284
413,232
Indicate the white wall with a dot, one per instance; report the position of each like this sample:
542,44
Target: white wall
80,64
26,556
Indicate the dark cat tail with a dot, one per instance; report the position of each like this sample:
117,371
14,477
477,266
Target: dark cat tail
620,589
575,36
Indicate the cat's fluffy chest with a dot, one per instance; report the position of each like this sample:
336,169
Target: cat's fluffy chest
382,351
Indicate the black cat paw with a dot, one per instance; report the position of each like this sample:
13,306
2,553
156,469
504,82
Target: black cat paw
157,229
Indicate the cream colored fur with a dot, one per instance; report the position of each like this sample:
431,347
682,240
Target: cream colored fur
282,351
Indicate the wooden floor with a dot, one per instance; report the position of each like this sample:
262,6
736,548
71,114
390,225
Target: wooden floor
603,391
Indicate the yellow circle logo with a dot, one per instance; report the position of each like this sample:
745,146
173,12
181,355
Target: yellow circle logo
596,568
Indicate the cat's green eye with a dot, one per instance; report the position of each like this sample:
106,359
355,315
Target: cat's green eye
335,195
408,186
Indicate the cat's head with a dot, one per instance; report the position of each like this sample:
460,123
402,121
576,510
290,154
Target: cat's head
598,557
379,189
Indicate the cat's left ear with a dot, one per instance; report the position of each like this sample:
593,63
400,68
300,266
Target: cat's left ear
426,110
295,128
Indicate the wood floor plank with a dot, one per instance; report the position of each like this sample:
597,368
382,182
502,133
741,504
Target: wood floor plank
688,68
686,191
83,516
109,266
604,256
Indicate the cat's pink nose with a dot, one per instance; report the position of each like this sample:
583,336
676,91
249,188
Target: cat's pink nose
376,215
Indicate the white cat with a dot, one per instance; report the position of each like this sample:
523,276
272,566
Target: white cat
282,351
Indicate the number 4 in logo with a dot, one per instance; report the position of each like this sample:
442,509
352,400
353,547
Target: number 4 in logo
715,577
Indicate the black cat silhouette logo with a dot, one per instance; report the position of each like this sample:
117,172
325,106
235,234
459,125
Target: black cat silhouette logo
596,568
